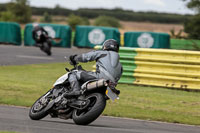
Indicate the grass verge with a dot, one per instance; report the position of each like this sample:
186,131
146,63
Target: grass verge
22,85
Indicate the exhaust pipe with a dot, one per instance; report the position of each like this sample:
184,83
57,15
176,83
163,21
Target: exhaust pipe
95,85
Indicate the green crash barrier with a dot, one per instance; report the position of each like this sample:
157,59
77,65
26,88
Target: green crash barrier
61,34
90,36
10,33
146,40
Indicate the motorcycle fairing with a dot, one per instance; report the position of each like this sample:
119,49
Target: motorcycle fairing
62,79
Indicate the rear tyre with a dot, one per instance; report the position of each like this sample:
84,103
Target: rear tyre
92,112
37,110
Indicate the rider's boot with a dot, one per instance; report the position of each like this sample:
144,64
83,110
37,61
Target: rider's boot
38,45
76,89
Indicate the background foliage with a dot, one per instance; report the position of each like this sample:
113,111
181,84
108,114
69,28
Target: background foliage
46,18
16,11
192,25
74,20
107,21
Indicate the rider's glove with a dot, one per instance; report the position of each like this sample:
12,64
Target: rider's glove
72,60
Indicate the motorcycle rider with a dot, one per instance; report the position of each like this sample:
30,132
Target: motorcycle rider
107,66
40,35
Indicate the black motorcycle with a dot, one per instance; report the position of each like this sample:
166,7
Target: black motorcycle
43,41
83,109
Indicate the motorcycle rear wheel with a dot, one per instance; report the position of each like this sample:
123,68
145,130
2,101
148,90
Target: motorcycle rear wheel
92,112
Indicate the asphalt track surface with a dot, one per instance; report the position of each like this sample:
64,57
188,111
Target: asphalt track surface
20,55
16,118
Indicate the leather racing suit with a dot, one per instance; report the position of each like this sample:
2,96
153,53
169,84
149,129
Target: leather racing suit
107,67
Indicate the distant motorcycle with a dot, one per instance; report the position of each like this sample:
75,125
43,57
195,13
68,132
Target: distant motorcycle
43,41
83,109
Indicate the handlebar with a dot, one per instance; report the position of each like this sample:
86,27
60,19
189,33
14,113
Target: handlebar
73,63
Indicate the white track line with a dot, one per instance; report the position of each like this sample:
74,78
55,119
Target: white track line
34,57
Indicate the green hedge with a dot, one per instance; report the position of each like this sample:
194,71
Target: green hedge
185,44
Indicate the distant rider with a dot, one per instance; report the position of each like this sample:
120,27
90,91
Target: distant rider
107,66
40,35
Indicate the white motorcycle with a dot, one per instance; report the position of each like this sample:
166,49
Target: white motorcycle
83,109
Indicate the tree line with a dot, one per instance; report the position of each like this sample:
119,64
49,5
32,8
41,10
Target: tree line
192,26
126,15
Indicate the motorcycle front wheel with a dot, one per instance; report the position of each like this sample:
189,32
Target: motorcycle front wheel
94,109
46,48
37,110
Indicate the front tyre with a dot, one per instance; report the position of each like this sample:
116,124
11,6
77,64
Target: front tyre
96,106
47,48
37,111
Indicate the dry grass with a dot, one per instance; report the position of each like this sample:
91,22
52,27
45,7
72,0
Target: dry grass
127,26
148,26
